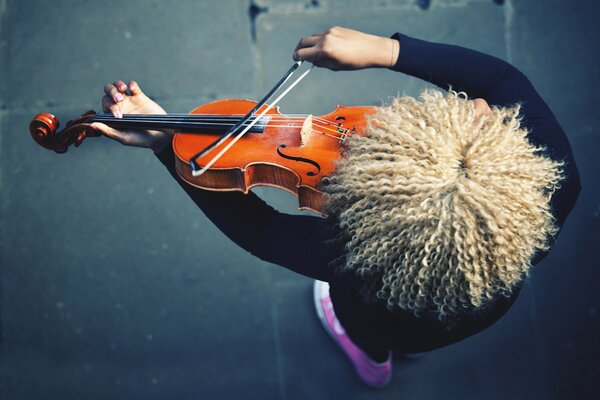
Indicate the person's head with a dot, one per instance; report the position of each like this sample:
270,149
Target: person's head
443,203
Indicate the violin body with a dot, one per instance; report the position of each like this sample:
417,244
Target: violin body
293,158
288,152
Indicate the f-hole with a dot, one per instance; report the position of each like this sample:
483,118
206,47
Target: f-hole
300,159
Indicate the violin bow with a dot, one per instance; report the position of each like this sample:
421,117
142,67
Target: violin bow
197,171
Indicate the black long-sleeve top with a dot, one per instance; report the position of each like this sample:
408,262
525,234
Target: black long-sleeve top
299,242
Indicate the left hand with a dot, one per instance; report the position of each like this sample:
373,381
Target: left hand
122,99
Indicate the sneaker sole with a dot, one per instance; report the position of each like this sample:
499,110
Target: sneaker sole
317,287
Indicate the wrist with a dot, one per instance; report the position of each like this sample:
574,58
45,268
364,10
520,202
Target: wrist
161,141
385,52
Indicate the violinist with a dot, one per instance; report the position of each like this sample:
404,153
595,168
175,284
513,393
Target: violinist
435,216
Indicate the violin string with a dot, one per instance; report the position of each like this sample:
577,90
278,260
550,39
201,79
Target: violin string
321,123
193,117
196,115
200,118
151,118
267,122
334,133
187,117
157,121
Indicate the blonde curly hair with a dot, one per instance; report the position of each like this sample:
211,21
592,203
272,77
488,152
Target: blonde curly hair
442,210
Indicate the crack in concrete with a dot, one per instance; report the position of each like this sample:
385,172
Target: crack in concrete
253,12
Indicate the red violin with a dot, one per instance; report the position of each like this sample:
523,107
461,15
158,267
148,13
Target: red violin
289,152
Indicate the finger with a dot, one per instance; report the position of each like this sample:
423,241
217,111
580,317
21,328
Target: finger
113,92
121,86
134,88
310,54
308,41
109,105
109,132
106,102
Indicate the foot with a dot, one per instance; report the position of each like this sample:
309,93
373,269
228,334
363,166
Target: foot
371,372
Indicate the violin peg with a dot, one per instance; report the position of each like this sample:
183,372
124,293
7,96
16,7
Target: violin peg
79,139
43,128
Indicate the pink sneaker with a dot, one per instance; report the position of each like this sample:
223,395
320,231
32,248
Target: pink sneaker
371,372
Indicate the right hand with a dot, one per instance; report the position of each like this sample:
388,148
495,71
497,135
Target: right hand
347,49
122,99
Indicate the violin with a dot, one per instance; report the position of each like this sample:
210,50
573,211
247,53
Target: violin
289,152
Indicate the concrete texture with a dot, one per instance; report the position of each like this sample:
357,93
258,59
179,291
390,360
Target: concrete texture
113,285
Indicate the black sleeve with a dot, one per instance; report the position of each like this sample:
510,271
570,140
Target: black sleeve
501,84
297,242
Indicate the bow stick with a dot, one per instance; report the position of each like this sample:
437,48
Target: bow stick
197,171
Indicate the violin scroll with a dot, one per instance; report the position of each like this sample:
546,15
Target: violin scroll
43,128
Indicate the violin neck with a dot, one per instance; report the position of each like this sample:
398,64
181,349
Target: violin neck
180,122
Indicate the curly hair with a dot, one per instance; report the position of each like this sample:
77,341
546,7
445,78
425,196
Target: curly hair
442,210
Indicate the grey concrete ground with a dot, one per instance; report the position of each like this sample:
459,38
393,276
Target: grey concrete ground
114,286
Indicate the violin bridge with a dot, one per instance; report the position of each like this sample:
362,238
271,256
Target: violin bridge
306,133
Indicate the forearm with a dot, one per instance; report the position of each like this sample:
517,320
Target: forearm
476,73
382,52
